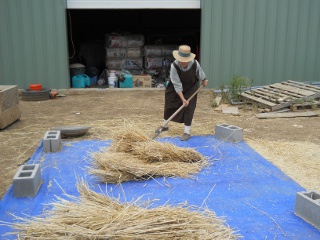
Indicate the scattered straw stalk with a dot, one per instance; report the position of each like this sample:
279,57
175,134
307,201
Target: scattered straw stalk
105,218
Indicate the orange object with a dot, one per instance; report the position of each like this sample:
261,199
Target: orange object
35,87
53,94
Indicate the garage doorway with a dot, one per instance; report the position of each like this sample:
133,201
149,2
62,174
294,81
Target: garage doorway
157,26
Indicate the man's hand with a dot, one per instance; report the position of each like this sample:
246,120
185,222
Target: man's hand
185,102
205,82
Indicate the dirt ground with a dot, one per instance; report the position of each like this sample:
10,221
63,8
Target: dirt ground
292,144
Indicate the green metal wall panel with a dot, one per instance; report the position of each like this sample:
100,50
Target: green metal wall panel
33,43
266,40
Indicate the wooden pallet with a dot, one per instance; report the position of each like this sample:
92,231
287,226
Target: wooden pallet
305,106
281,95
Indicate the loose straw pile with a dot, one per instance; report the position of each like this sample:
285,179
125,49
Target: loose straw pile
95,216
134,156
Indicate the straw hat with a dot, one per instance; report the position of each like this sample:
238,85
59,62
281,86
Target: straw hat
184,54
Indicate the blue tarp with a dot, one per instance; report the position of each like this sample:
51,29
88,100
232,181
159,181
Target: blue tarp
254,196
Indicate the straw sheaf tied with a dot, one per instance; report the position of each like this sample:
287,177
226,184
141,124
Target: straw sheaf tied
102,217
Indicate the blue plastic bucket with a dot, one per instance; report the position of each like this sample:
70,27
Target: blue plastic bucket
93,80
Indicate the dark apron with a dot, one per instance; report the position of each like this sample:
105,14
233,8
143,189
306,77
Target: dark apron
173,101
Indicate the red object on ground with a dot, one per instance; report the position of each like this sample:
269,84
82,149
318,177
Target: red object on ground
35,87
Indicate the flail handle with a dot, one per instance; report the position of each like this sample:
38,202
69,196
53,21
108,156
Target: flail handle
180,108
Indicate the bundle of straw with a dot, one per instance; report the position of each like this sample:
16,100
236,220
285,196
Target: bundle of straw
153,151
115,167
125,138
101,217
134,156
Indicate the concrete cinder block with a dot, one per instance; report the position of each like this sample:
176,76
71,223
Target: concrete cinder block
46,143
27,181
229,133
52,141
308,207
55,141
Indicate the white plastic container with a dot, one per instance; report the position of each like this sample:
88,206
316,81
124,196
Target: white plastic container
112,73
113,82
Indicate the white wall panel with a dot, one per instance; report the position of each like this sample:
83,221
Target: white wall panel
133,4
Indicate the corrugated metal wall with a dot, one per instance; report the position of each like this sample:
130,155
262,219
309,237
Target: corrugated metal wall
266,40
33,43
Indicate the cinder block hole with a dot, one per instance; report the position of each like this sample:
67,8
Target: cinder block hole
28,167
51,137
25,174
313,195
234,128
224,125
52,132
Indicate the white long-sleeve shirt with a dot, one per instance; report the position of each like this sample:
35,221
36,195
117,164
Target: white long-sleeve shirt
175,79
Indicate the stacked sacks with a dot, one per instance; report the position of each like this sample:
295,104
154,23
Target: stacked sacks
158,58
124,52
155,54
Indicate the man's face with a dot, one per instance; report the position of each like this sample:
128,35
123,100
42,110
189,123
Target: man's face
184,64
